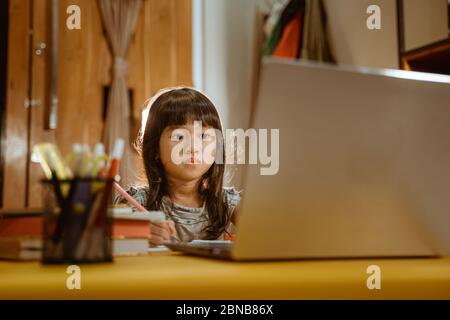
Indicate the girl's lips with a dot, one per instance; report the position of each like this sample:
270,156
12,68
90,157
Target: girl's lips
192,161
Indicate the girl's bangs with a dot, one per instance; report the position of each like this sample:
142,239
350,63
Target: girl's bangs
179,113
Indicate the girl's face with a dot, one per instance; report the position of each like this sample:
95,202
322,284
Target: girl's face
187,152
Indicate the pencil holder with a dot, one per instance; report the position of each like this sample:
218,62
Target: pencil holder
77,226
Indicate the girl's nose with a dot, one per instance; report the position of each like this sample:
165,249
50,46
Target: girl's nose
193,147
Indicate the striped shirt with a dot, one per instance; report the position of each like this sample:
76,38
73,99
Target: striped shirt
189,222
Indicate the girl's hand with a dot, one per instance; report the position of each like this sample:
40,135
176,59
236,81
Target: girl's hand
161,231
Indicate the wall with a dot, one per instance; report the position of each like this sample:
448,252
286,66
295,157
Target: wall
425,22
228,59
353,43
228,42
228,35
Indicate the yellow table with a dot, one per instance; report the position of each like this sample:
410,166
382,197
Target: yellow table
175,276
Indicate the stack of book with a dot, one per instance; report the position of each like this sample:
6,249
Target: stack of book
21,232
131,231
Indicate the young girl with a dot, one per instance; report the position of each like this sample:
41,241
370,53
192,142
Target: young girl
189,190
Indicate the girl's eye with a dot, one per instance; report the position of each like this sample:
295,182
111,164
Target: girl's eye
177,137
206,136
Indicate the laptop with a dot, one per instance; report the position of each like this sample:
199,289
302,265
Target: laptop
364,167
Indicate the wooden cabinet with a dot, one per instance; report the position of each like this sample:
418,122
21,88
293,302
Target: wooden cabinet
160,55
424,40
15,144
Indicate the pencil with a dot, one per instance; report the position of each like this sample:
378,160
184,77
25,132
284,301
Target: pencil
129,198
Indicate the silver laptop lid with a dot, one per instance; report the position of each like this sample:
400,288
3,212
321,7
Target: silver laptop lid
364,165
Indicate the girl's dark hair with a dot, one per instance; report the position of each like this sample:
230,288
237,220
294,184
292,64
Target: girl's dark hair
176,108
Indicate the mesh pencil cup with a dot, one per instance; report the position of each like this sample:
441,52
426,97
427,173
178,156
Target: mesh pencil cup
77,226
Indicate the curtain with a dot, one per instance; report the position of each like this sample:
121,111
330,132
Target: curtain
119,19
315,44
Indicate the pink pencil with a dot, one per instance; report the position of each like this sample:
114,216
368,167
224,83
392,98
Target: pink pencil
129,198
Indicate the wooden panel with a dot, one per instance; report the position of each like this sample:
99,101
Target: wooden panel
183,49
40,77
83,70
160,55
139,73
14,188
161,51
161,44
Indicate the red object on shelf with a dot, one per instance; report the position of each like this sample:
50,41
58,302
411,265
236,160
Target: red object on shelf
290,40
